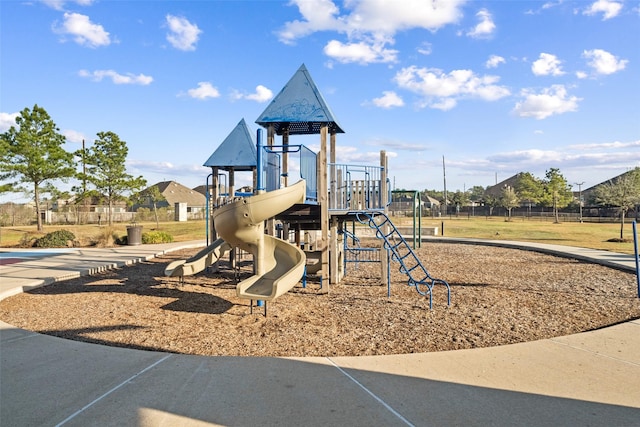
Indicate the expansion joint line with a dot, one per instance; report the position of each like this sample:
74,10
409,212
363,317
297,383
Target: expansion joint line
125,382
370,393
597,353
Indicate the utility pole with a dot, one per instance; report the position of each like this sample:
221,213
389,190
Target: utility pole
84,171
444,177
580,184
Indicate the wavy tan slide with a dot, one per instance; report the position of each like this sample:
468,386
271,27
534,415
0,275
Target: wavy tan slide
199,261
279,265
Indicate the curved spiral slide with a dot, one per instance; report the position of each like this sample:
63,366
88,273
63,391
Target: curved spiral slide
279,265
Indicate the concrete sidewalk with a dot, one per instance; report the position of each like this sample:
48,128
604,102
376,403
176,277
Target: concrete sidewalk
39,267
585,379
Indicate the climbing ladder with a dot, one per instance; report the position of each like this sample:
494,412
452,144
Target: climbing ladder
401,252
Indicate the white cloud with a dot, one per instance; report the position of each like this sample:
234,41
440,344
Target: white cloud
609,9
361,52
59,4
548,64
389,17
551,101
442,90
319,15
369,25
54,4
7,120
552,4
606,145
350,154
577,165
165,170
83,31
183,35
604,62
262,94
396,145
117,78
494,61
485,27
533,155
203,91
425,48
389,99
370,17
444,104
73,136
567,158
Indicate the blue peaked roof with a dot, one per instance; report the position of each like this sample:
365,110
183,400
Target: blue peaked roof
237,151
299,107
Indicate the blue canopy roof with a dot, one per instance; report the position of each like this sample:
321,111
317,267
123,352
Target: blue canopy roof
299,107
237,151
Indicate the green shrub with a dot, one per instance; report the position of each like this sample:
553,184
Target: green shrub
156,237
28,240
144,214
55,239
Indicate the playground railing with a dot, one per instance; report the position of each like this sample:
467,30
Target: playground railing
355,187
351,187
307,165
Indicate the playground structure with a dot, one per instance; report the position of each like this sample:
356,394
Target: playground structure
327,197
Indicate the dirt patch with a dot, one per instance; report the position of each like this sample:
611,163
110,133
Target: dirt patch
499,296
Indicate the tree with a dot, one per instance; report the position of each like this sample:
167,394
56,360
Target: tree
458,199
4,188
529,189
476,193
622,192
509,200
33,154
556,191
60,198
151,195
106,171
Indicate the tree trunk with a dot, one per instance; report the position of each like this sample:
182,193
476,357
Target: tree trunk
36,192
622,225
110,213
155,212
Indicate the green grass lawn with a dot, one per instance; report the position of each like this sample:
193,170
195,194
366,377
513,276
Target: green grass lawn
589,235
86,234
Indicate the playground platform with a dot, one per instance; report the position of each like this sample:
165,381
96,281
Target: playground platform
584,379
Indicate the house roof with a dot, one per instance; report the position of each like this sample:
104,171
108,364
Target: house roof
178,193
431,200
588,193
299,107
611,180
237,151
496,190
202,189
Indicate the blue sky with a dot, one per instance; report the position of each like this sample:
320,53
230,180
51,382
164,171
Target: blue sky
494,87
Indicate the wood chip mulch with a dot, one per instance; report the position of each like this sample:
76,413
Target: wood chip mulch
499,296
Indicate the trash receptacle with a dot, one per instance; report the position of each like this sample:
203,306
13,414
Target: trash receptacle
134,235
